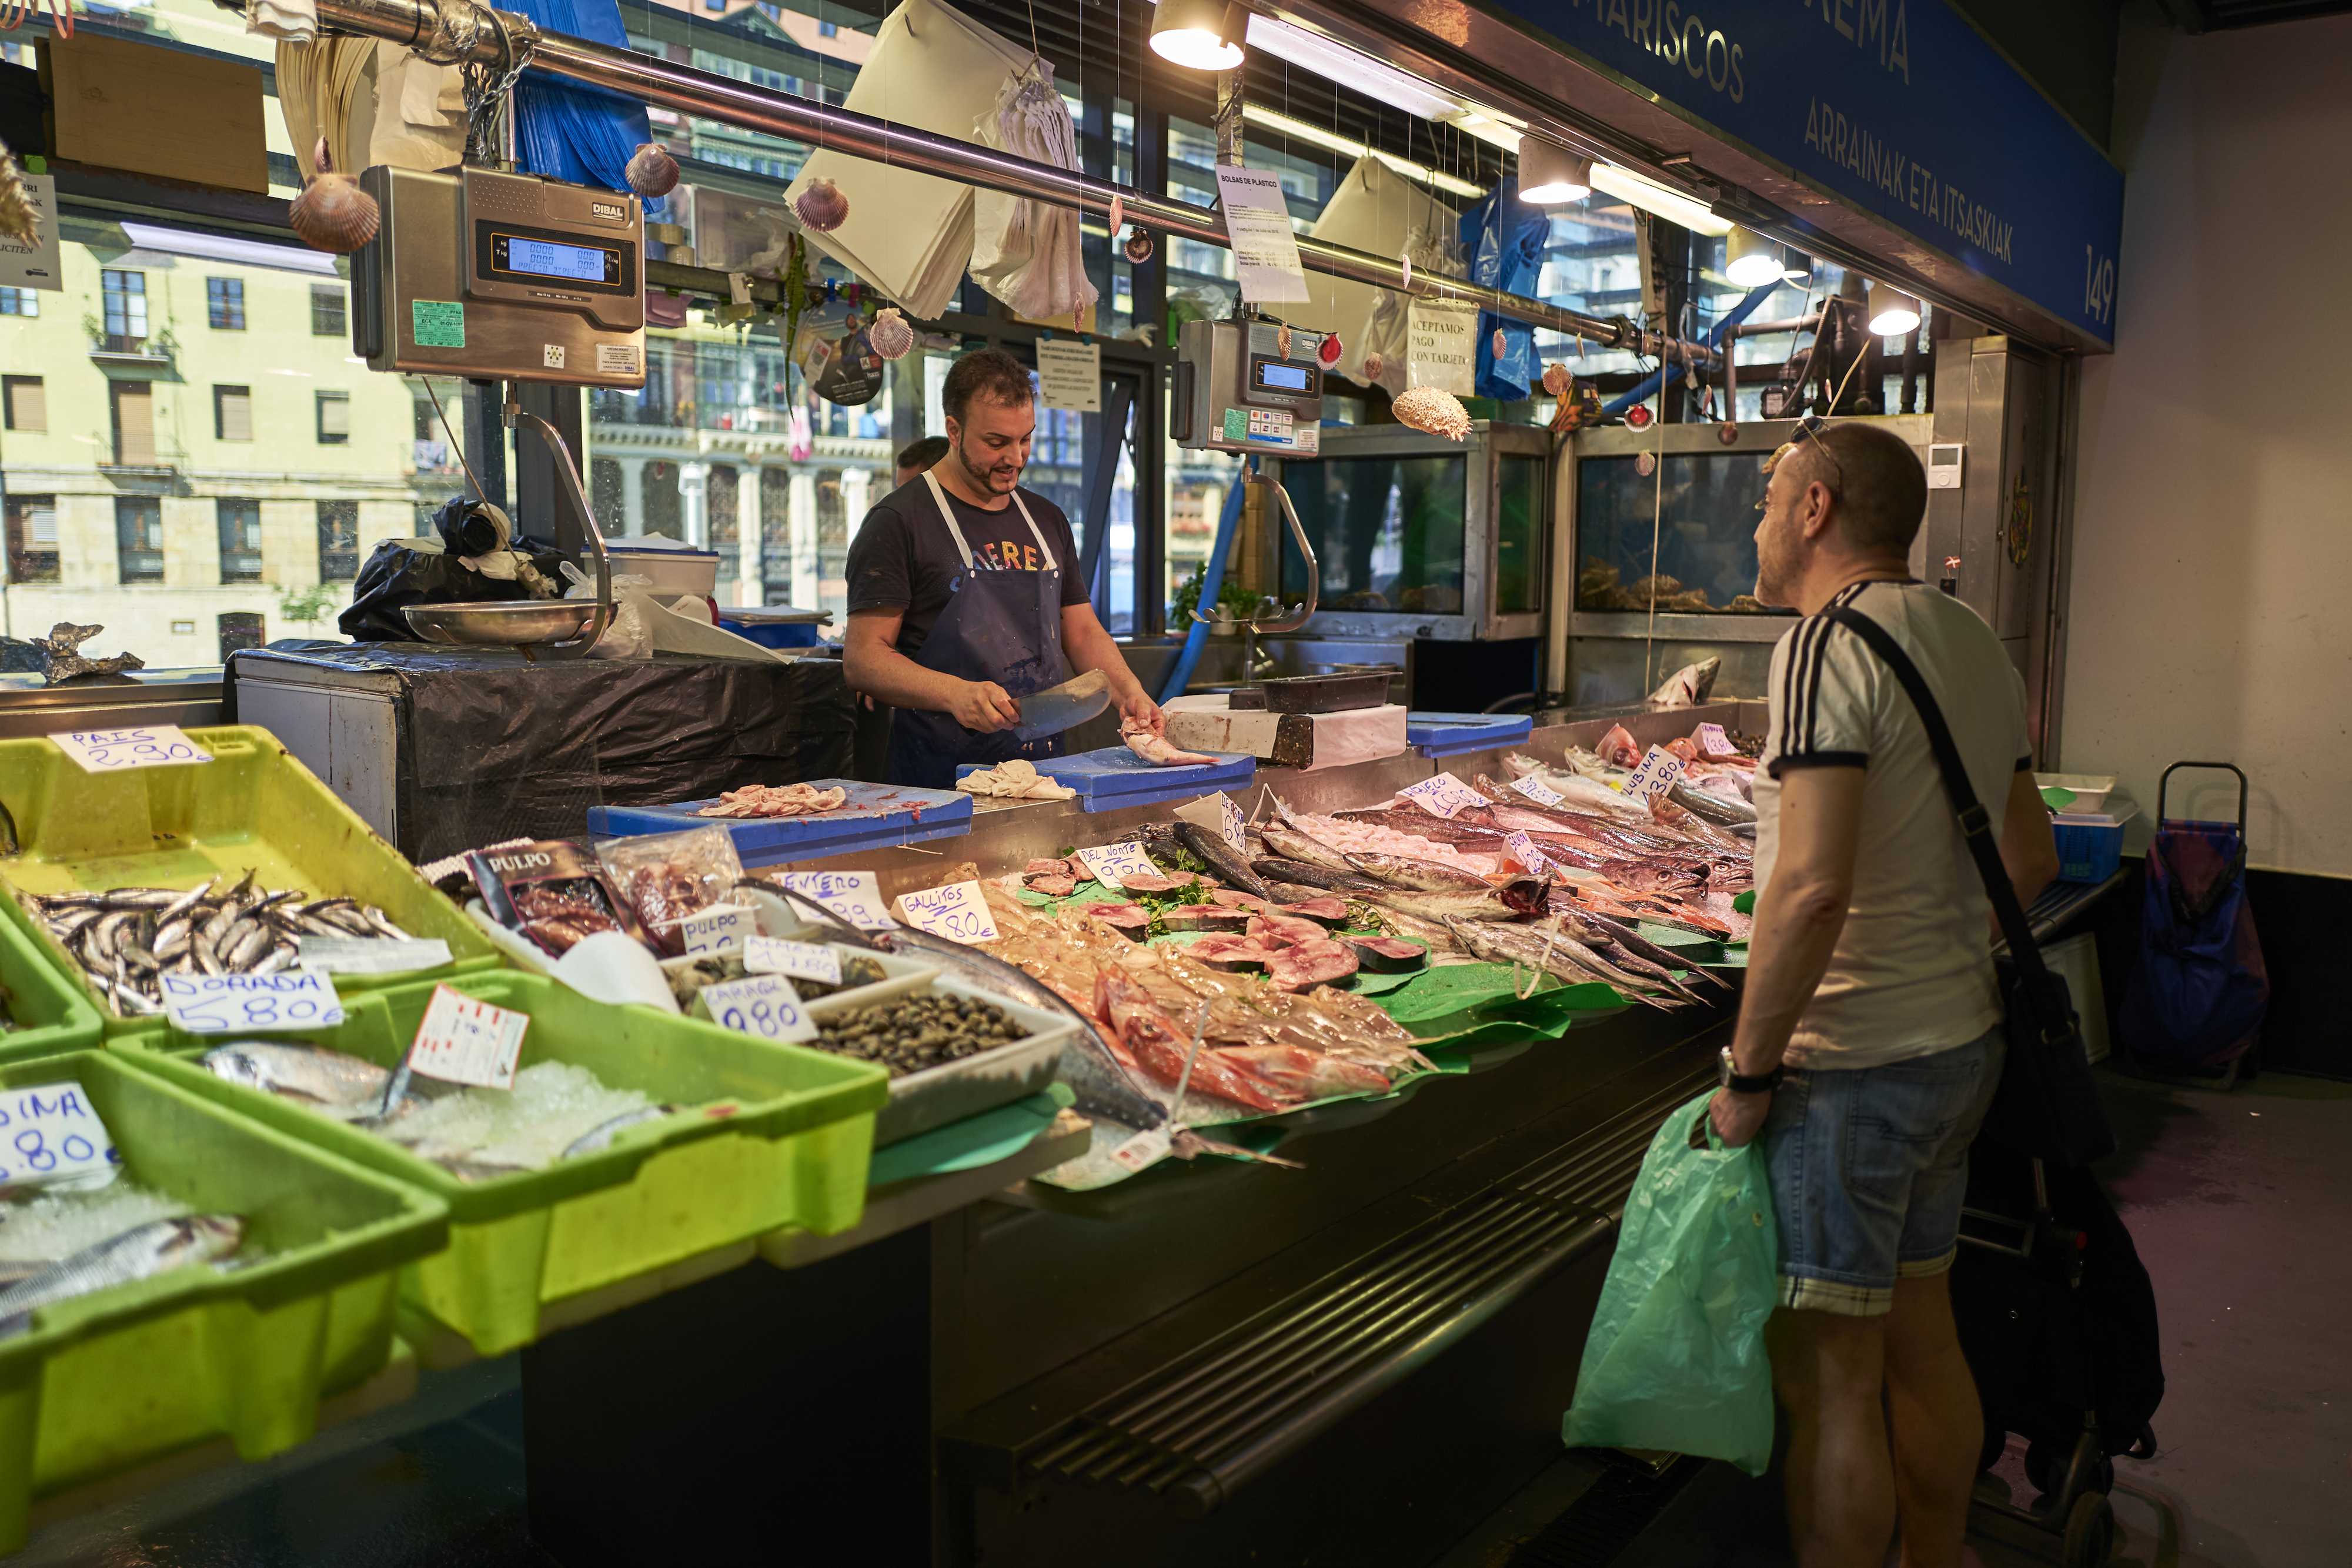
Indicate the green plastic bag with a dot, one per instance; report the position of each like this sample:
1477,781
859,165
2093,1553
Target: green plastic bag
1675,1359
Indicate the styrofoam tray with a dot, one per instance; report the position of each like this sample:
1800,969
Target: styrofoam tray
2090,789
938,1095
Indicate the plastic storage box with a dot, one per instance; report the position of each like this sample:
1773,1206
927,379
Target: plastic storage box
51,1013
793,1153
254,806
1453,733
2088,852
114,1379
775,626
936,1096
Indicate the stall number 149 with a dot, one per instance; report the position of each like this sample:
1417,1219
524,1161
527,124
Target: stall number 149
2098,287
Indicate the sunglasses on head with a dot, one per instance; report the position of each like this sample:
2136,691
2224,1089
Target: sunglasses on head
1808,428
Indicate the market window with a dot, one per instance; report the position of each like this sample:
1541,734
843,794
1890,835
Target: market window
240,540
338,540
326,312
134,423
828,30
25,402
240,629
20,302
232,413
32,539
225,303
334,418
125,299
139,538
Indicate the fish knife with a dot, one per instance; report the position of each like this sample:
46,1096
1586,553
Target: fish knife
1058,708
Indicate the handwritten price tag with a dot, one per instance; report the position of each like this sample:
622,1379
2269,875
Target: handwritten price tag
957,911
1231,828
461,1040
49,1134
251,1004
1443,796
802,960
718,929
1114,864
150,746
1656,774
851,895
1541,794
1143,1149
371,954
1523,850
763,1006
1712,742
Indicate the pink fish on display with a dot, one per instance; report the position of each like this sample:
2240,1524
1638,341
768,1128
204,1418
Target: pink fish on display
1158,748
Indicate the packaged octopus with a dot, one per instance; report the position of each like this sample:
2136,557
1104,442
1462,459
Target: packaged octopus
664,877
553,891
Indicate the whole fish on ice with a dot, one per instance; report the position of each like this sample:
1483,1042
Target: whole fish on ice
140,1253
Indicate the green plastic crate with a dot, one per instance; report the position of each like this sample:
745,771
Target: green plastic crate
253,805
53,1014
793,1154
126,1375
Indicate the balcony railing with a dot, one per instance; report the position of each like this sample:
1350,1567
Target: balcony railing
121,347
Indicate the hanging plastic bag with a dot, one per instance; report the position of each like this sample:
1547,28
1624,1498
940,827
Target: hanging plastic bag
567,129
1504,237
1675,1359
1028,253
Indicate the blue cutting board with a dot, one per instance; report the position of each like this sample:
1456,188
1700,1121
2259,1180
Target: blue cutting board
1115,778
875,816
1451,734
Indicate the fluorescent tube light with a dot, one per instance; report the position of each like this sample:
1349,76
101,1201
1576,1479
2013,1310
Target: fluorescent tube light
1653,197
1299,131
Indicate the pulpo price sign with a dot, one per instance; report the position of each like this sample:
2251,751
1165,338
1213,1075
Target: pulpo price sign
111,750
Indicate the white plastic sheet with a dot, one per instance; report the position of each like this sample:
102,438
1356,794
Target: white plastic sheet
1376,209
1027,253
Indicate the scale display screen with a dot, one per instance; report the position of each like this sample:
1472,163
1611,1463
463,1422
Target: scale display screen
545,259
1282,378
541,258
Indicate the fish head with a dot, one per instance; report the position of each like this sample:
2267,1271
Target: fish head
214,1235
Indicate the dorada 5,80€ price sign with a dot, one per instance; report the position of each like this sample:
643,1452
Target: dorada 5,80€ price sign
49,1134
149,746
957,911
763,1006
251,1004
463,1040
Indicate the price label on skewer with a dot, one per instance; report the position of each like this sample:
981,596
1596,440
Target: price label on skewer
1656,775
463,1040
1112,864
1523,850
720,928
1712,742
251,1004
1232,828
851,895
1146,1147
49,1134
1443,796
1540,793
802,960
149,746
763,1006
957,911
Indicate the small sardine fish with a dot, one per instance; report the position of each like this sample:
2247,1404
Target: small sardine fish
140,1253
335,1084
601,1136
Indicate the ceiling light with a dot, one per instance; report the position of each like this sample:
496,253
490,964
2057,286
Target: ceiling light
1335,63
1204,35
1651,197
1484,126
1798,268
1752,261
1892,311
1299,131
1551,175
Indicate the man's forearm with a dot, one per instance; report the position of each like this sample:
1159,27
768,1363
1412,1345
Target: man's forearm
1795,932
889,676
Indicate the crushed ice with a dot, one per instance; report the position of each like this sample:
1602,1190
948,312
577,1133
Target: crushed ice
552,1105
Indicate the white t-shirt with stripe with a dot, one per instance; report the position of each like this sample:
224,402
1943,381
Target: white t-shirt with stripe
1913,971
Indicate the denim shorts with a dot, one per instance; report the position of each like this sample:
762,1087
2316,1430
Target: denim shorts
1869,1166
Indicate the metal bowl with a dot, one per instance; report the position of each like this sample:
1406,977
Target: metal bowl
501,624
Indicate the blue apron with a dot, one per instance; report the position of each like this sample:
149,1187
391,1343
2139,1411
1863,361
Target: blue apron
1001,626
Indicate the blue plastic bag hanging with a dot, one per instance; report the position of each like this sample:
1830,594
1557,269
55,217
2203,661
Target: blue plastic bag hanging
567,129
1675,1357
1504,237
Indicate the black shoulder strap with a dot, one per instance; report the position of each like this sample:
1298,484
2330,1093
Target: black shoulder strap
1976,824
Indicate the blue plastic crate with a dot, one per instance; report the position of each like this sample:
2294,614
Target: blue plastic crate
2088,852
1114,777
875,816
1451,733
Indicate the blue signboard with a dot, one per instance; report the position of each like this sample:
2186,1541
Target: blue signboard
1901,106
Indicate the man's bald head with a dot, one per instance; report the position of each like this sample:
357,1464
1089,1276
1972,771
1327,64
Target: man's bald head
1881,491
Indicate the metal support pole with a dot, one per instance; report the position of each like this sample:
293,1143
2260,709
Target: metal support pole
485,434
1233,94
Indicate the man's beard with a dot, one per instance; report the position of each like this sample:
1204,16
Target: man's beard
1774,572
982,478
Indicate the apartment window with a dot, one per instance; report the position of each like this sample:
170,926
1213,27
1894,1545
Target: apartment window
25,401
125,295
338,540
326,312
827,29
239,629
20,302
139,538
240,540
232,413
334,417
134,423
225,303
32,539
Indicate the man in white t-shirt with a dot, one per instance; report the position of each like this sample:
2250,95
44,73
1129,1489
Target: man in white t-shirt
1871,978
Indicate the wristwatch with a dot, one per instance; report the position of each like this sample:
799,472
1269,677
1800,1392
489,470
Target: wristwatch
1740,1083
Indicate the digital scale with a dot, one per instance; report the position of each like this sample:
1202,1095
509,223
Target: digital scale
1236,390
501,277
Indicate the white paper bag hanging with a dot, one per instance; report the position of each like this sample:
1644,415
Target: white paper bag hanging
1376,209
1028,253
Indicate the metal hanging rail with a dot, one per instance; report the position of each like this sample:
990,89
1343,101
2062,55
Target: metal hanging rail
461,32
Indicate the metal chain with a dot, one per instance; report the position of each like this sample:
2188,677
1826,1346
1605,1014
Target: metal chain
485,89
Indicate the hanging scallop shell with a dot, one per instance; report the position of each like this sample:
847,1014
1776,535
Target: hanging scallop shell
651,171
1282,339
1331,349
1427,408
890,336
1118,214
332,213
1556,380
1139,246
821,206
1502,344
1374,365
